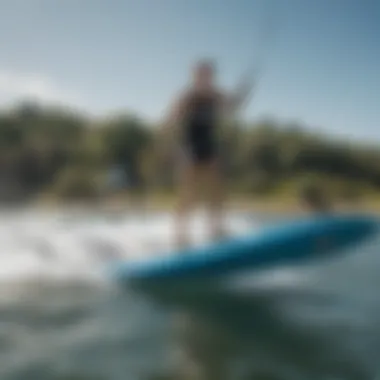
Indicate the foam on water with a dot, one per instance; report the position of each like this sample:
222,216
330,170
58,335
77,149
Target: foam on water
42,247
37,247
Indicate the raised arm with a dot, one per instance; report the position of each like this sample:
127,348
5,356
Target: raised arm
232,102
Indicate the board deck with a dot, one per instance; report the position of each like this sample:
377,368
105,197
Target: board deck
288,242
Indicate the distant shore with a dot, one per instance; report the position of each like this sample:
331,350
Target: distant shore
272,205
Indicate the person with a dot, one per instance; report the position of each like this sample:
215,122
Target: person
195,115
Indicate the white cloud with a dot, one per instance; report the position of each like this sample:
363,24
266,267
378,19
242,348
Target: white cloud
20,86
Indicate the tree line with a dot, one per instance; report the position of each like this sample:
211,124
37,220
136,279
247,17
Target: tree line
48,150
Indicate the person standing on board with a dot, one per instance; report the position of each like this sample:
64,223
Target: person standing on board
195,116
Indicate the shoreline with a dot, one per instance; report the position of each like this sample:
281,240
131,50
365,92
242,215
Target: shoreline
270,205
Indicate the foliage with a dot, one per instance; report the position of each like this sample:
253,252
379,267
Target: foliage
77,183
54,150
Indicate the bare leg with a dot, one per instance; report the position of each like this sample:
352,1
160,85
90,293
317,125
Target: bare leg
187,197
215,199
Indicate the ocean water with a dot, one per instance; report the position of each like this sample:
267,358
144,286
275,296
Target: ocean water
61,318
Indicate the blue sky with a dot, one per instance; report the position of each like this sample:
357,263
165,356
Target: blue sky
321,68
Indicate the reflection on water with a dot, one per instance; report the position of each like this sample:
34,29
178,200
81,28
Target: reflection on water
225,336
57,320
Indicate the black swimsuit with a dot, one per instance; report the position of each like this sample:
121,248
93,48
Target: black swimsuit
199,138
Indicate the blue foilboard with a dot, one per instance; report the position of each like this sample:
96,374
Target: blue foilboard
292,242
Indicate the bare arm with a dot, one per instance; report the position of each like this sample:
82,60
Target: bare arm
232,102
176,112
171,122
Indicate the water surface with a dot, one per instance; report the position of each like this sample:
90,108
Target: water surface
60,316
